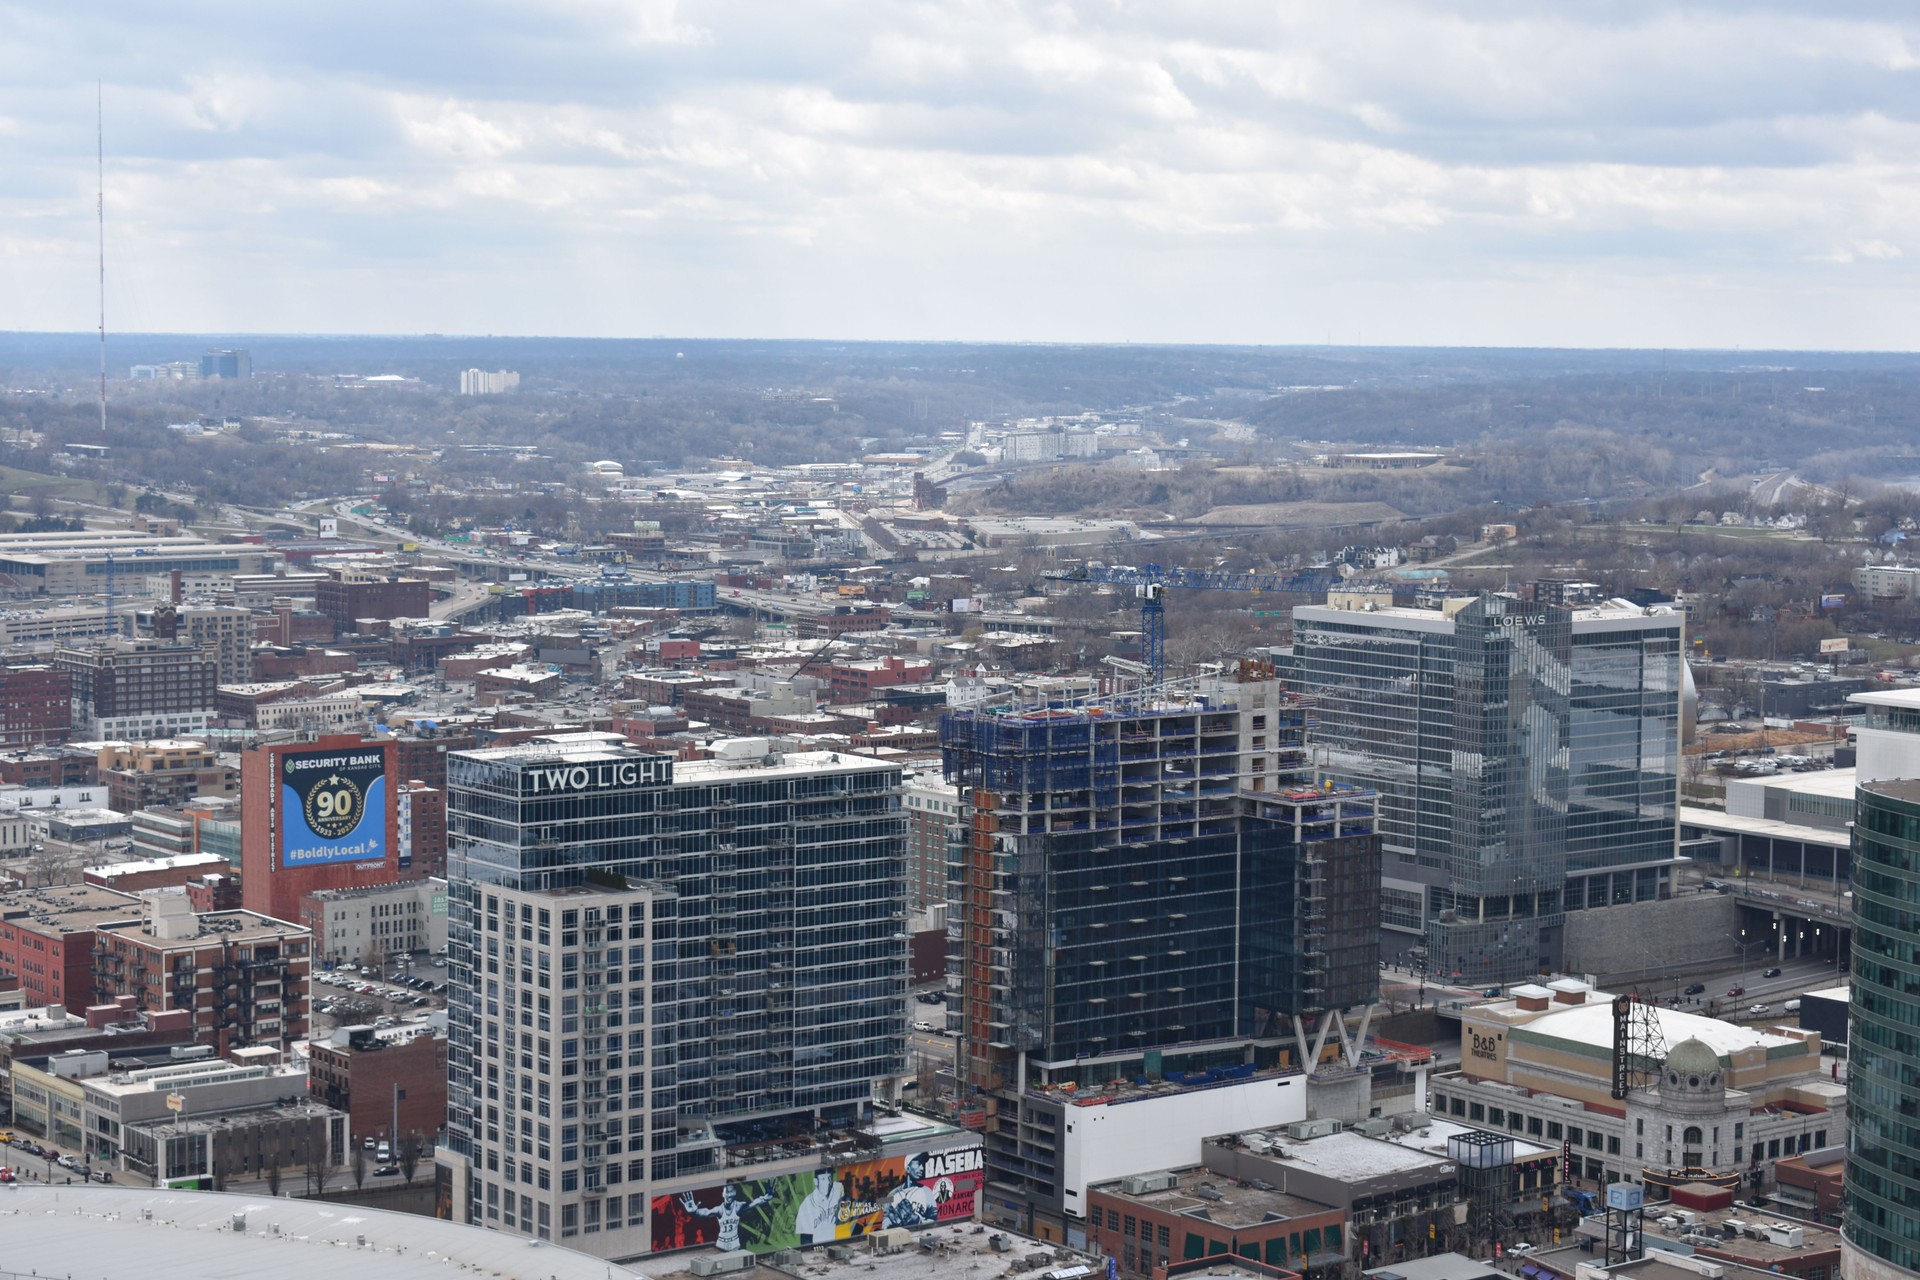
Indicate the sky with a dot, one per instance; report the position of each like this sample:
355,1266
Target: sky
1354,172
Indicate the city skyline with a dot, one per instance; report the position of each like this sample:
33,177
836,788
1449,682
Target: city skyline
1394,175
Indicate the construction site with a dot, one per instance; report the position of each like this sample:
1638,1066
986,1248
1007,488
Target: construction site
1155,900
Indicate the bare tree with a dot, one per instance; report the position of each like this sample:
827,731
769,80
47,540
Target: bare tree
273,1178
319,1170
359,1167
408,1154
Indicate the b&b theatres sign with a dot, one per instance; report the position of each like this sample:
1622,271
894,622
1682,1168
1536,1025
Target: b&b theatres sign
596,775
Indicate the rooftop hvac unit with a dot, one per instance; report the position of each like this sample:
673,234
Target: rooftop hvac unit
838,1252
716,1264
1302,1130
891,1240
1142,1183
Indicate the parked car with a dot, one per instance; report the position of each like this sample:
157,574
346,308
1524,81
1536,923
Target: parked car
1771,973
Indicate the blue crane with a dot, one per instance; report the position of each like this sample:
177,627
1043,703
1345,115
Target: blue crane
1150,583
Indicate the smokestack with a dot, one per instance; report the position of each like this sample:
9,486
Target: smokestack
173,586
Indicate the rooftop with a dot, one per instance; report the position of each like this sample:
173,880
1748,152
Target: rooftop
1225,1202
175,1235
67,908
1442,1266
960,1251
225,926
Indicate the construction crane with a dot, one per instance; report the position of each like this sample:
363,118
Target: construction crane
1150,583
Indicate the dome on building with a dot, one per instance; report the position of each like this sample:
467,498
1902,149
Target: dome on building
1692,1065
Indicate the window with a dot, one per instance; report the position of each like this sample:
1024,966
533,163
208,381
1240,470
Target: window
1495,1116
1476,1112
1553,1130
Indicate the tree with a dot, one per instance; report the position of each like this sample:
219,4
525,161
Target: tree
273,1177
408,1154
319,1169
359,1167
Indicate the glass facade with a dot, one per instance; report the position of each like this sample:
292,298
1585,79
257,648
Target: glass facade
769,983
1883,1071
1522,752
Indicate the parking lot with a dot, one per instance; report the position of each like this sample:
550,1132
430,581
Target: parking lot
353,994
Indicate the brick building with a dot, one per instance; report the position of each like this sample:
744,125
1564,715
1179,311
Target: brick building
422,757
372,1075
47,939
857,681
139,688
283,856
58,767
1149,1224
244,977
175,872
164,773
420,827
36,706
348,595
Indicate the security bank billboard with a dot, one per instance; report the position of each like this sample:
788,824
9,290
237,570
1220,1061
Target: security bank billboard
822,1205
333,806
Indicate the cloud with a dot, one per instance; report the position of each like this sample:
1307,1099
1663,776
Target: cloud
1073,169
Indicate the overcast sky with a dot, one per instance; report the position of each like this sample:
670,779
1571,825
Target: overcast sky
1087,170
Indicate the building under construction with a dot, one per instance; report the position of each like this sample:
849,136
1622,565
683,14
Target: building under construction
1150,886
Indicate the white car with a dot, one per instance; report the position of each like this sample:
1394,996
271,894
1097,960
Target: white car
1758,1010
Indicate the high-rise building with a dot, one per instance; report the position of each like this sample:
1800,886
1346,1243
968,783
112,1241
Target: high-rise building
1882,1218
481,382
1148,888
231,362
128,689
655,964
1526,756
316,815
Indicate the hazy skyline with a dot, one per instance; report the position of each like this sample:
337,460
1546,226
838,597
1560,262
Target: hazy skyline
1617,174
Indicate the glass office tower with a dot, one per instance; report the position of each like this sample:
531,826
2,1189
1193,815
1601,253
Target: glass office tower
1883,1085
1526,757
744,971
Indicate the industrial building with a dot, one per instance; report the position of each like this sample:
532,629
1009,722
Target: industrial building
1149,889
69,564
1527,760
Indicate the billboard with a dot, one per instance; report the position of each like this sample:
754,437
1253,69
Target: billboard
1836,644
822,1205
333,806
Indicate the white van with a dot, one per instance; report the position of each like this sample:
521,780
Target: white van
1791,1006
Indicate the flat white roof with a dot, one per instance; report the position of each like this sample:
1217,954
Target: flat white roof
1887,698
190,1236
157,864
1732,824
1591,1024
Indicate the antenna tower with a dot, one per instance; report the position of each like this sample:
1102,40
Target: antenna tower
100,215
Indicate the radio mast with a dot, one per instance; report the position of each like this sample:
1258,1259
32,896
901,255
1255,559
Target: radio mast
100,213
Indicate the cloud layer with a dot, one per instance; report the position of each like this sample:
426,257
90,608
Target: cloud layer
1085,170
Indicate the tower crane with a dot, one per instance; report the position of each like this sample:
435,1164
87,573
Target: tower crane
1150,583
